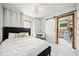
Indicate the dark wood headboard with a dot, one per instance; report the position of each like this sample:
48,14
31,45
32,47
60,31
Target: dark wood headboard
7,30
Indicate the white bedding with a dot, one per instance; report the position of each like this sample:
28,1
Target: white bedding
27,46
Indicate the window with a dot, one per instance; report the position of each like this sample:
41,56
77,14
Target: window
63,25
27,24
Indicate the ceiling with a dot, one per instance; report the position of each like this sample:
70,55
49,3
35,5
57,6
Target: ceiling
41,9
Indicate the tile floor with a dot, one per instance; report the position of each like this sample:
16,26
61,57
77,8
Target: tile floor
63,49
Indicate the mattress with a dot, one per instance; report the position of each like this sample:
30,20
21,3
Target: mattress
26,46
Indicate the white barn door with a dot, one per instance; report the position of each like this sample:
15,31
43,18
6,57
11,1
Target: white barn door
50,31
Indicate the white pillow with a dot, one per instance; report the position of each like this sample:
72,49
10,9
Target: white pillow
17,35
11,35
14,35
24,34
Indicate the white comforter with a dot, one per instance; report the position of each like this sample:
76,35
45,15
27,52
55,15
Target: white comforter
27,46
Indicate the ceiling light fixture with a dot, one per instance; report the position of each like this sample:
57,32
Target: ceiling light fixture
37,8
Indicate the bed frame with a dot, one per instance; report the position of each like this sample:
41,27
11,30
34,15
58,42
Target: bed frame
7,30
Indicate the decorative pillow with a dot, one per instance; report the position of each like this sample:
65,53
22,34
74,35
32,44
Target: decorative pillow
17,35
24,34
11,35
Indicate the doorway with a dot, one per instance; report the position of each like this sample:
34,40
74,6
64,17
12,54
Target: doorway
65,28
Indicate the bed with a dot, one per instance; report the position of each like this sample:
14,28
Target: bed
26,46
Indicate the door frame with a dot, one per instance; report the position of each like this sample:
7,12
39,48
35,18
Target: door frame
73,27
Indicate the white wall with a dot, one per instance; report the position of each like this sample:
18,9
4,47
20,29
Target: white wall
1,22
77,42
50,30
21,21
1,17
11,18
42,25
36,25
78,35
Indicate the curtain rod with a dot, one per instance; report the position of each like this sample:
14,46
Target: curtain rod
62,14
